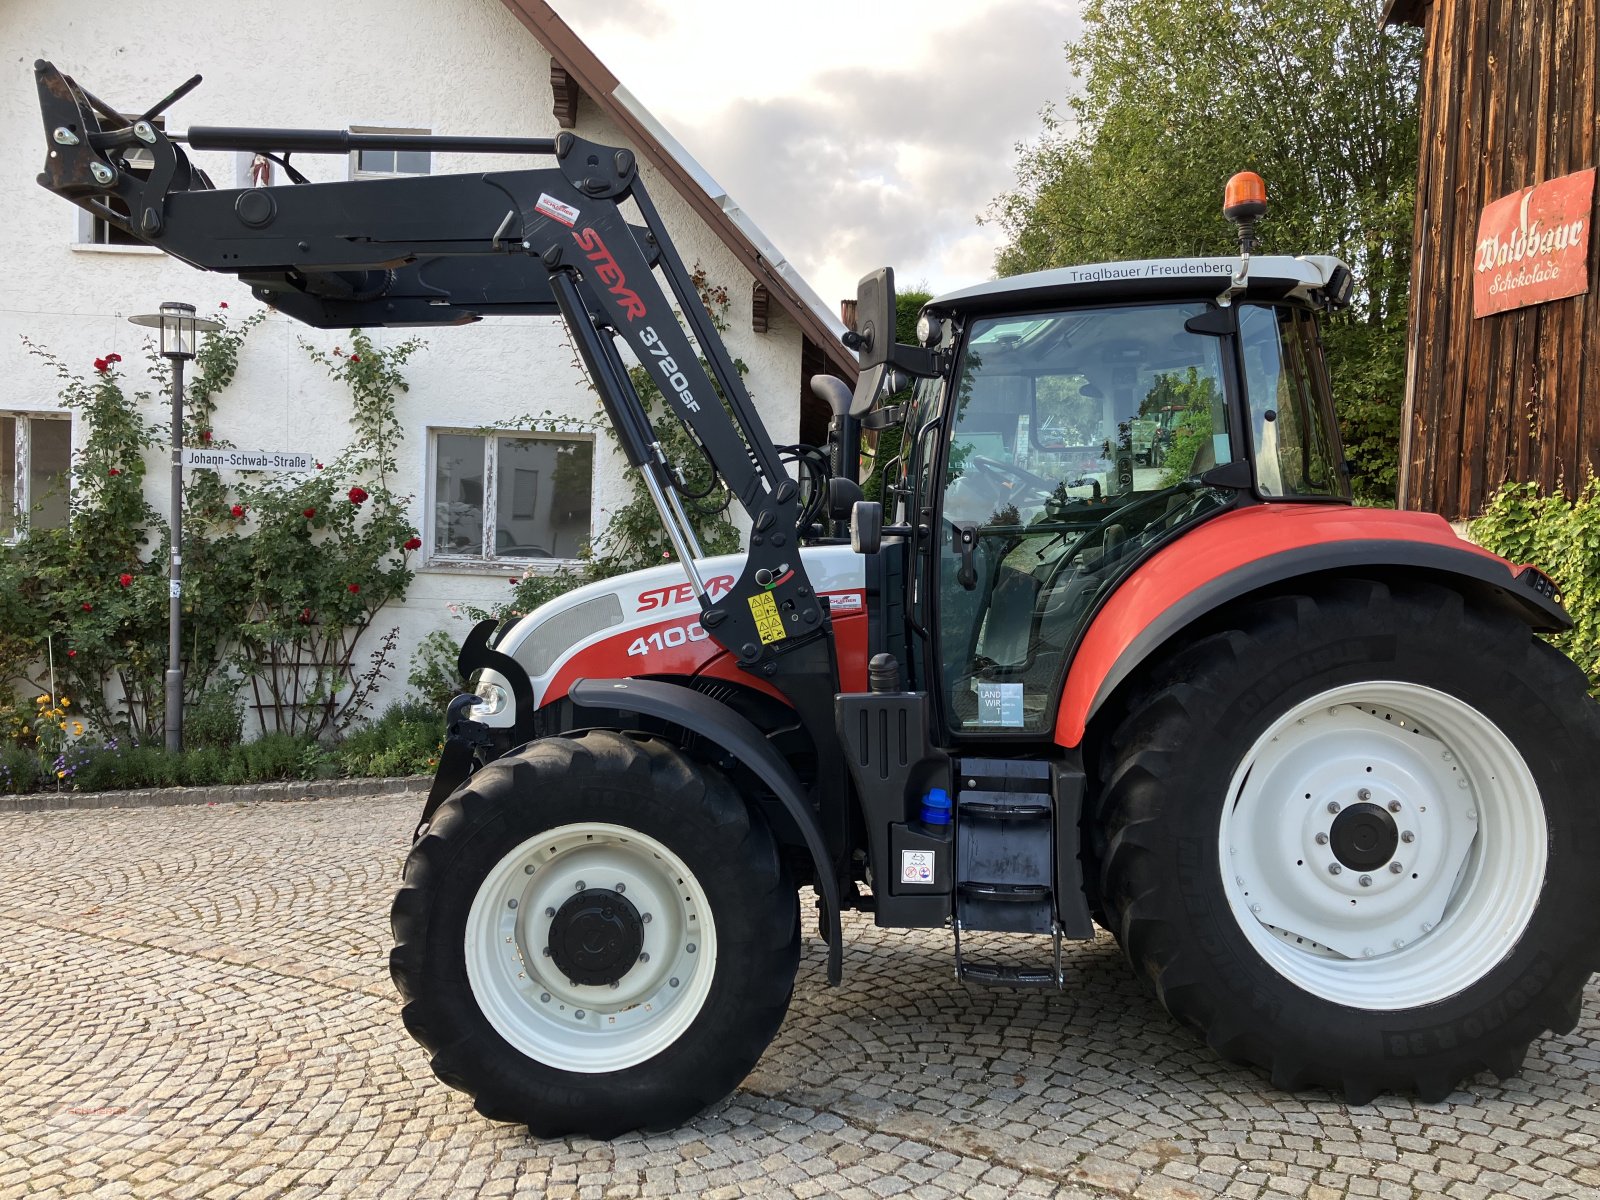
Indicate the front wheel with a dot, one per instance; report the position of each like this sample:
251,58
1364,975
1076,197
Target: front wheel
595,935
1351,839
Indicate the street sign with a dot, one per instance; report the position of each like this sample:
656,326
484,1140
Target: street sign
248,460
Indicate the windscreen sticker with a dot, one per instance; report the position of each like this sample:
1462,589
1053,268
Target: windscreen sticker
556,210
769,624
999,703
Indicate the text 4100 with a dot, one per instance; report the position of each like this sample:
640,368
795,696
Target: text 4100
668,638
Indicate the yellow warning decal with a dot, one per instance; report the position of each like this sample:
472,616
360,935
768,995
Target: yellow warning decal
769,625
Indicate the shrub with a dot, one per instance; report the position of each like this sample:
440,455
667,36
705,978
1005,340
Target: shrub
20,771
404,741
215,720
1562,538
433,670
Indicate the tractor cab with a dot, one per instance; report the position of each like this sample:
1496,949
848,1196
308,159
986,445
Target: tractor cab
1077,420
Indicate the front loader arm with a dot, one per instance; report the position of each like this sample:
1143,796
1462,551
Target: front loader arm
445,249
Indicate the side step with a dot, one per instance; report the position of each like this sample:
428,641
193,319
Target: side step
1005,864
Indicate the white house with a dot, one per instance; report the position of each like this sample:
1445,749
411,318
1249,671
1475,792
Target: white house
509,67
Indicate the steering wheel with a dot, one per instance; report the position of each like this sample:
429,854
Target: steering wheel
994,467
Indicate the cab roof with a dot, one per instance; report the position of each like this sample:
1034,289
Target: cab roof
1271,277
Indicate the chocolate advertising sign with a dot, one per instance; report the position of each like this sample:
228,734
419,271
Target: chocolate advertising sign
1533,245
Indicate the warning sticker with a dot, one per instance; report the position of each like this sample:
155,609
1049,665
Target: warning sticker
769,624
916,866
556,210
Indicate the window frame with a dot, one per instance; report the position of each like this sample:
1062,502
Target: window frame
21,499
488,559
356,170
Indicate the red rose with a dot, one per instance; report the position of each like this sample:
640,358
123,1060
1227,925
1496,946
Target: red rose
319,466
113,357
222,304
357,494
355,358
205,435
125,579
412,543
237,510
72,654
353,588
101,365
305,616
310,512
87,607
114,471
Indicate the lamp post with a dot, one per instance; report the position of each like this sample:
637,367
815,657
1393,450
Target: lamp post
179,330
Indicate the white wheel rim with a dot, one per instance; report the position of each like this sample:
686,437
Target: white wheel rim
578,1027
1470,867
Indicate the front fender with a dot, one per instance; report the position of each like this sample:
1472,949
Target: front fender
1256,547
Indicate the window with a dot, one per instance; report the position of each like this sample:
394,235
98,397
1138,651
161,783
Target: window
523,496
1292,421
35,470
97,231
386,164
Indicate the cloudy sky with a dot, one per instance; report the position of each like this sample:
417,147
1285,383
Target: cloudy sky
856,133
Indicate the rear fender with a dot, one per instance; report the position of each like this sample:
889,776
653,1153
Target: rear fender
1264,546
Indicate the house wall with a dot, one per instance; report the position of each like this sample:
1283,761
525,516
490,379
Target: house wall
320,64
1510,97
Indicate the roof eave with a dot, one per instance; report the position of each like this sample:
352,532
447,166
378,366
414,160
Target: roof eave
1403,12
601,86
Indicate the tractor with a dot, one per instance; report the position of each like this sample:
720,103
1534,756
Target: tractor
1117,651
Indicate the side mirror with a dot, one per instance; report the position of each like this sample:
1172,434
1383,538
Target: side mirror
866,526
873,338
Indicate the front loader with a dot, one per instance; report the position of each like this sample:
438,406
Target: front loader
1120,652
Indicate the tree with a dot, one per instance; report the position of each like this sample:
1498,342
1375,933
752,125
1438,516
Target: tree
1313,95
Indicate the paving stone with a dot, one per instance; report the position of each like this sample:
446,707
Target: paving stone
196,1004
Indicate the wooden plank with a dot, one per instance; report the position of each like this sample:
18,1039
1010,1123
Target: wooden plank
1560,339
1586,143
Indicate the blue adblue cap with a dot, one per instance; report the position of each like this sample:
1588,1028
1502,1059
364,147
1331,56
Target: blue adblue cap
936,807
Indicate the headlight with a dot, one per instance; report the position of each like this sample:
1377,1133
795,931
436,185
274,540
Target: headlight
492,700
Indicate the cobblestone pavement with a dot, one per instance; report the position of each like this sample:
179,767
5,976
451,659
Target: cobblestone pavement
195,1002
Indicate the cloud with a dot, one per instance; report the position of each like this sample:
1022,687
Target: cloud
877,153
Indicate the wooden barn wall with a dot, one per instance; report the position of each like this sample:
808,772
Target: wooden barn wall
1510,96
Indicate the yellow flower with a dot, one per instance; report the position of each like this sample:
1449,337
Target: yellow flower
42,700
63,725
77,729
65,702
61,774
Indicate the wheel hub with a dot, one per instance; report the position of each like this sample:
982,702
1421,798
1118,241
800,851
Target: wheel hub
1364,837
596,937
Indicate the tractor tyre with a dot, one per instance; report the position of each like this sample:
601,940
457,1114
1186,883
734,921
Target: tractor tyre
595,934
1351,838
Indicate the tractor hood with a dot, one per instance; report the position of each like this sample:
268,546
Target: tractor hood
642,623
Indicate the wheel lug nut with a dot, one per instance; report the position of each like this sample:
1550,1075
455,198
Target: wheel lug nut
645,957
1366,881
1333,869
511,903
622,887
528,870
549,912
646,918
1333,806
1408,837
1396,867
579,886
578,1013
691,947
1394,806
544,997
1364,795
614,985
673,982
1322,839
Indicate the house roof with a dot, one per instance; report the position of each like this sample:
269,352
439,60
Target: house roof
1403,12
709,200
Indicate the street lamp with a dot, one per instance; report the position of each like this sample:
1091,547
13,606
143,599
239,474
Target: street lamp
179,330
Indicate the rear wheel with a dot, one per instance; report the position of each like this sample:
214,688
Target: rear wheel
595,935
1349,840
